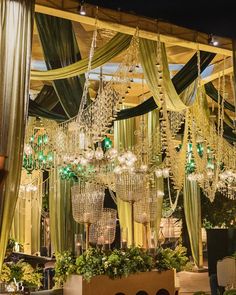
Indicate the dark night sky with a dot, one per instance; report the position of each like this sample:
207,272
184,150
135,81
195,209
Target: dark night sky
208,16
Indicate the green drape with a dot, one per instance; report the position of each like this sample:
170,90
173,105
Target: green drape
61,50
181,81
192,210
62,225
16,26
47,97
213,93
35,110
102,55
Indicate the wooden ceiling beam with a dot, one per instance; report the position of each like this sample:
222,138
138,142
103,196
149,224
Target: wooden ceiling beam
127,24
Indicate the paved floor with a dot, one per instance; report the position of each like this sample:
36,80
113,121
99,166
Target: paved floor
191,282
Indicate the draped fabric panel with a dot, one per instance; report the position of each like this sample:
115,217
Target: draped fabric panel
47,97
125,139
148,57
101,56
192,210
213,93
61,50
181,80
35,110
62,225
27,217
16,23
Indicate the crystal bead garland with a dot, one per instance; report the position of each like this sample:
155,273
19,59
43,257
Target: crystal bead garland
101,113
214,169
175,160
87,204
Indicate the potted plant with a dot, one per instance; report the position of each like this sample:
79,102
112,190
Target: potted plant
20,275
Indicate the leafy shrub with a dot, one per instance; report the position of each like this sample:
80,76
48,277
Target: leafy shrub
21,271
90,263
168,258
64,267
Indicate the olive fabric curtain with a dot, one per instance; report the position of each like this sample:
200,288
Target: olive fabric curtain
16,26
62,225
60,49
148,56
102,55
181,80
125,139
27,217
192,211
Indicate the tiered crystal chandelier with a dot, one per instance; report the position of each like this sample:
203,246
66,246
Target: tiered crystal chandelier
131,182
145,212
87,204
103,231
76,140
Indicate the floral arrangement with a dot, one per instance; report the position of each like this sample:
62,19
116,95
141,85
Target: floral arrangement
116,263
21,271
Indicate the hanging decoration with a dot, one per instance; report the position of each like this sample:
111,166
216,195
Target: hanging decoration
38,149
87,204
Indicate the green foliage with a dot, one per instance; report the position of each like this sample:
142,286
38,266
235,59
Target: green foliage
116,263
90,263
64,266
21,272
220,213
199,293
167,258
121,263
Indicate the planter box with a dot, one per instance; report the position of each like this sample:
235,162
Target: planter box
153,283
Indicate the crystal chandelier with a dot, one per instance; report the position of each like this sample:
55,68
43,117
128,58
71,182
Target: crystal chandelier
145,212
103,231
87,204
131,182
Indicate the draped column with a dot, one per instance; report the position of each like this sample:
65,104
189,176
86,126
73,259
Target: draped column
62,225
16,23
192,211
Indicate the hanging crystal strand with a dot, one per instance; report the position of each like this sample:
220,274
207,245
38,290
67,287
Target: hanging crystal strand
86,84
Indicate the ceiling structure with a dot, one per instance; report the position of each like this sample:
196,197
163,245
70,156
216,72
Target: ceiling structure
181,45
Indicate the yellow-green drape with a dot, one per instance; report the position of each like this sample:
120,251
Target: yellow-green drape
115,46
174,102
154,141
192,211
16,26
125,139
62,225
27,218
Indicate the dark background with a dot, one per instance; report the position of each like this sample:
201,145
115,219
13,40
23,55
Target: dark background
207,16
